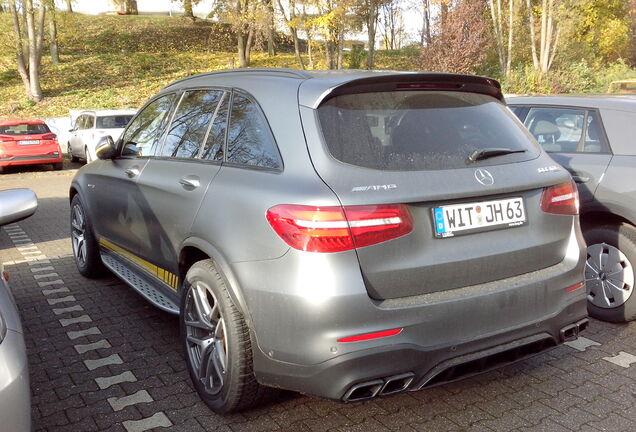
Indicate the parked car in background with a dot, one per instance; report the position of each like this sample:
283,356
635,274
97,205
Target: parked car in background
15,395
90,126
28,142
341,234
595,139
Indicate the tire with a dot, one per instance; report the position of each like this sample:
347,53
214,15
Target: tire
610,272
87,155
227,382
70,153
84,243
58,166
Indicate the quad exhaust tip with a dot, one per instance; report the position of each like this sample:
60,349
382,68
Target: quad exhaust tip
379,387
571,332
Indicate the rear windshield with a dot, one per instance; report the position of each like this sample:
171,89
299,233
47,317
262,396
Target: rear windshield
415,130
24,129
113,122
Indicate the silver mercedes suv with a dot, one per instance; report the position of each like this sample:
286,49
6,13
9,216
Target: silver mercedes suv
347,235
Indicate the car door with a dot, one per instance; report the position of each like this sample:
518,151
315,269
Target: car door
75,140
87,134
576,139
118,206
174,182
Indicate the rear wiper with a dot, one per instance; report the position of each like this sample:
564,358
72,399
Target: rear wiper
491,152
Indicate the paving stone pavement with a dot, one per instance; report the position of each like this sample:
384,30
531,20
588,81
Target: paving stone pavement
103,359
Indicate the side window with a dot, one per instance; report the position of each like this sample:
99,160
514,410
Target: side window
90,122
190,123
556,129
79,123
142,135
213,149
595,141
249,140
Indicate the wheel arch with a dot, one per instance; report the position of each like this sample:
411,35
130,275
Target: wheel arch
195,249
602,217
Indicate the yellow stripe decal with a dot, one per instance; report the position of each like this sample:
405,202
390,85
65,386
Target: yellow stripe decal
164,275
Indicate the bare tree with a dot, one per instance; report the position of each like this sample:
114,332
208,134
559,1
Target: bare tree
292,21
370,12
271,29
425,36
393,31
549,36
28,47
53,48
503,28
69,5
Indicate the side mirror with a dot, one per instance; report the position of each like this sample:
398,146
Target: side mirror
17,204
105,148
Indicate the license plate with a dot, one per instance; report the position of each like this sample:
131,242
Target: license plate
29,142
458,219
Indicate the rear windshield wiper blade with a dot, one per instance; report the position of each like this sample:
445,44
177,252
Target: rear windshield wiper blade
491,152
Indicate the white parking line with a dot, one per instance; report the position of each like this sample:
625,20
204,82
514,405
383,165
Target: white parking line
61,300
55,291
581,344
81,349
49,283
105,382
106,361
120,403
46,275
157,420
623,359
35,270
80,333
60,311
70,321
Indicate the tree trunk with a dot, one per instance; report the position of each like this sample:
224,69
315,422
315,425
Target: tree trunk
426,23
341,47
510,37
55,56
372,20
69,5
131,7
533,38
20,50
299,58
187,9
271,31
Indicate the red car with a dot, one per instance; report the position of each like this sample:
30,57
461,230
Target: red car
28,142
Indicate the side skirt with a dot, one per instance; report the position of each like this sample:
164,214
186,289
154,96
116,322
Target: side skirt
139,282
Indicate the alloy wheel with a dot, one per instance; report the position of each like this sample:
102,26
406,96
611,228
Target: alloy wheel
609,276
206,337
78,234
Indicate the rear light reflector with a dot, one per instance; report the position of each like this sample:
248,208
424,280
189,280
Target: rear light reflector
336,229
575,287
49,136
562,199
368,336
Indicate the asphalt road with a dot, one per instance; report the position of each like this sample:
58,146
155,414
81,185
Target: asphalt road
103,359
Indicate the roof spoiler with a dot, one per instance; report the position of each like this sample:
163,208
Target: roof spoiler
416,81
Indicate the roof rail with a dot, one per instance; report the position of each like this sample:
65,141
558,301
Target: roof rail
292,73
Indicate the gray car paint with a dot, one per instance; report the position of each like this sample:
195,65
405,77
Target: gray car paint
298,304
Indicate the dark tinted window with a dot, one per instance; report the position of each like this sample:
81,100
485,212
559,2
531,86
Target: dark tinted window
190,124
213,149
24,129
142,136
249,140
113,122
595,141
416,130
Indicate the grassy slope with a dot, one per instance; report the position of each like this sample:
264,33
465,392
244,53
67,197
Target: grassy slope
120,61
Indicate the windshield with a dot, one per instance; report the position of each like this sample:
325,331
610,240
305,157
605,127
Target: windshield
415,130
24,129
113,122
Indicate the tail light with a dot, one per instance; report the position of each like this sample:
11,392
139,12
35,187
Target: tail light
49,136
562,199
335,229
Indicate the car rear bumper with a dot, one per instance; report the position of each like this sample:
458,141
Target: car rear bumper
301,304
30,160
15,396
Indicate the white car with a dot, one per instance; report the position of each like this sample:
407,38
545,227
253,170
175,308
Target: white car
90,126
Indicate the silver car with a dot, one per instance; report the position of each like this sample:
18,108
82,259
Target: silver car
593,138
90,126
343,234
15,395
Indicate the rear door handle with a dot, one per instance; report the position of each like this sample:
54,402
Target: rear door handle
190,182
132,172
580,179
